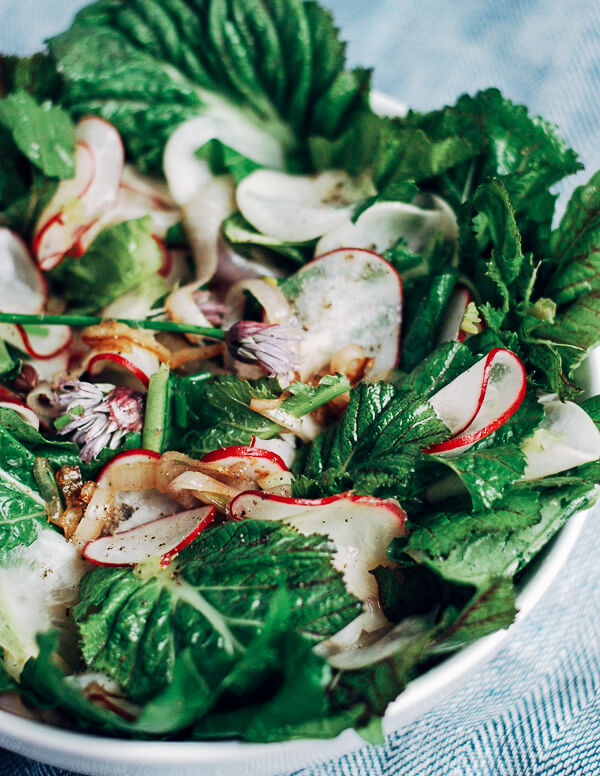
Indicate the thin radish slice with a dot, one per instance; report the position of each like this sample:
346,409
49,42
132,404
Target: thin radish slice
251,463
275,305
202,487
567,437
343,298
162,538
79,202
298,208
138,363
129,483
381,226
64,217
130,470
138,301
480,400
461,318
23,288
362,528
109,156
39,342
187,174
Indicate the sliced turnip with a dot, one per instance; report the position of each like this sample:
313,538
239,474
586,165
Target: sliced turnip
23,288
298,208
384,223
137,363
187,174
567,437
162,538
480,400
78,202
343,298
362,528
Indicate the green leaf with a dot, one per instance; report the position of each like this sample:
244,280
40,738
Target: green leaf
224,160
36,75
487,473
576,246
377,444
220,409
239,233
439,368
119,258
278,68
474,548
213,600
493,607
423,331
22,509
526,153
43,133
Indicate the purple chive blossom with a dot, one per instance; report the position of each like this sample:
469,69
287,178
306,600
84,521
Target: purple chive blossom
101,415
212,310
270,345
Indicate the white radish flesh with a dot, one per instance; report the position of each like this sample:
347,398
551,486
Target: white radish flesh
130,470
137,363
343,298
187,174
480,400
381,226
361,527
23,288
453,315
297,208
80,201
567,437
162,538
39,342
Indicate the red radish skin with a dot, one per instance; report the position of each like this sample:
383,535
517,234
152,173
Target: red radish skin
99,550
120,361
244,452
42,356
167,259
236,512
459,441
135,455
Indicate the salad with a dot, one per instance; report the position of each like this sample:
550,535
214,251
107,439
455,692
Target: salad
291,392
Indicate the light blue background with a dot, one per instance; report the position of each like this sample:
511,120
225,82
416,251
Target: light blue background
534,710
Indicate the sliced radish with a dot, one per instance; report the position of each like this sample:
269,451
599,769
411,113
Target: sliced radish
154,191
381,226
251,463
480,400
362,528
343,298
39,342
162,538
130,470
186,174
80,201
453,317
298,208
23,288
138,363
567,437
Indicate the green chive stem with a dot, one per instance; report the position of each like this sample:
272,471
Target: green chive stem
44,319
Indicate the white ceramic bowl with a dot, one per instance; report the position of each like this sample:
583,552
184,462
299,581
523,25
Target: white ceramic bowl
96,756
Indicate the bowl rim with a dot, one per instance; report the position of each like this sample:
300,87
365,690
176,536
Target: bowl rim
59,746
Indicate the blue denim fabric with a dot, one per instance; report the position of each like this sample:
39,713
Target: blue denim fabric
534,709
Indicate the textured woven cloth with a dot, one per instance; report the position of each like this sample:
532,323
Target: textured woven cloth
534,709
